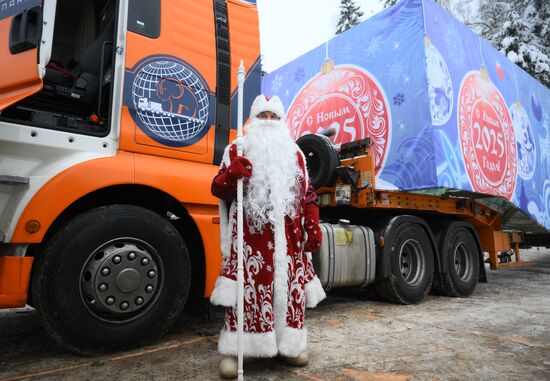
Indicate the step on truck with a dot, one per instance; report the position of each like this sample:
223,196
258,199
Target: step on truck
114,115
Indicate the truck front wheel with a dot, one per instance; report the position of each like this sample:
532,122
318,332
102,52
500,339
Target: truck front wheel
411,265
111,278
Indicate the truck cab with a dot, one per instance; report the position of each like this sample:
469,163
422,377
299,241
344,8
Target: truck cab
114,115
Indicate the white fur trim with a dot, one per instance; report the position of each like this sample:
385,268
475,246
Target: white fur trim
255,344
226,226
306,174
225,292
261,104
224,222
225,157
291,341
314,293
225,212
280,276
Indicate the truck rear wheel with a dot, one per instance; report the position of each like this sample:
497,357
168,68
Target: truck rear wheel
462,273
111,278
411,265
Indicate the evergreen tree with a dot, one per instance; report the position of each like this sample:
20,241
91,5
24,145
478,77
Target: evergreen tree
520,30
350,15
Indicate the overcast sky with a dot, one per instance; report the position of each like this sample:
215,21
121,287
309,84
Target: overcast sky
290,28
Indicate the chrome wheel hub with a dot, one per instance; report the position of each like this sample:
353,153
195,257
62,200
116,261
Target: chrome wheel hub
411,262
120,279
462,262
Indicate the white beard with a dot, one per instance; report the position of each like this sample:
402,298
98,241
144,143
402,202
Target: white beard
272,190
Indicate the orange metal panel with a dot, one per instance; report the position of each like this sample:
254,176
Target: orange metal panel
67,187
515,237
493,240
14,281
19,72
187,32
205,217
368,197
502,241
129,141
188,182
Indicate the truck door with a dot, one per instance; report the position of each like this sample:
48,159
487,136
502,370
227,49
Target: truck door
170,80
26,31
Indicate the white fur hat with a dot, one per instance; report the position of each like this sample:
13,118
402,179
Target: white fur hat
261,104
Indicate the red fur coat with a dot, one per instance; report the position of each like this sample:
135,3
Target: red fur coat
279,279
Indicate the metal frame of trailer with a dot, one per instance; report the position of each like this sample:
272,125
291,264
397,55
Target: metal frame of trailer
485,220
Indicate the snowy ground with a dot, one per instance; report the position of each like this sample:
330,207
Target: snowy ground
501,332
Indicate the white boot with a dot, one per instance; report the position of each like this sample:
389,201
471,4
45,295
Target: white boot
228,367
301,360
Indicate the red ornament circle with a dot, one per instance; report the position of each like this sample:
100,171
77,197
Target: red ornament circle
349,100
486,137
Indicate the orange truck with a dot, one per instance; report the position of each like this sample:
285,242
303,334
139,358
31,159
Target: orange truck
114,115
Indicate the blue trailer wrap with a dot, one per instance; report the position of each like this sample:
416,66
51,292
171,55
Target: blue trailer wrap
445,111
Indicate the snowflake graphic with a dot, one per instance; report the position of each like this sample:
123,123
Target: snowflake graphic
277,83
374,46
396,71
269,268
270,245
396,45
299,75
399,99
455,45
401,125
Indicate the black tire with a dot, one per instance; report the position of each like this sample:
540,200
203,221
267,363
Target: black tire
460,277
321,158
411,265
70,276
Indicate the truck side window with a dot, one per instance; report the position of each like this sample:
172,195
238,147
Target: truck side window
144,17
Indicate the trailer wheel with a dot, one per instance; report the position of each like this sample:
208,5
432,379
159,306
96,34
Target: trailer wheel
111,278
411,265
462,273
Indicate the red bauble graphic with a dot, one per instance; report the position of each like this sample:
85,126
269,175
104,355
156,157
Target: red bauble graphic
486,136
351,101
500,72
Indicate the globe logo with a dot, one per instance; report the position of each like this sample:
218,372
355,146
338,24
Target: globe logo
170,101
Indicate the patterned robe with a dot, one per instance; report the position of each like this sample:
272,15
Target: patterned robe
279,279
